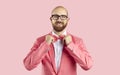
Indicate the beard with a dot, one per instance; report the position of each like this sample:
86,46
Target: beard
59,26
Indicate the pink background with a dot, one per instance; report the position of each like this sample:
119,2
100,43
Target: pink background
96,21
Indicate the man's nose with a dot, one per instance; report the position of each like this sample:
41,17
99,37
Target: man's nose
59,19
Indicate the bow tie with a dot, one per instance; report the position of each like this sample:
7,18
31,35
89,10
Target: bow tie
59,37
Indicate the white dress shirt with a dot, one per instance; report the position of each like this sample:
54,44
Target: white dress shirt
58,48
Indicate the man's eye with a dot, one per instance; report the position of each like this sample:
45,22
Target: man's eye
64,16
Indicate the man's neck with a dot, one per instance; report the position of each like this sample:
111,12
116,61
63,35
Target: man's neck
59,33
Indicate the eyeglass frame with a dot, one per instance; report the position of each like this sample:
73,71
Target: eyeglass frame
59,16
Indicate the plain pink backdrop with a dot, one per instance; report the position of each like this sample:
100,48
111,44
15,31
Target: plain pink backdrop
96,21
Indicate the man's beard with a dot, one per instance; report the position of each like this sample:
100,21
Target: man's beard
59,28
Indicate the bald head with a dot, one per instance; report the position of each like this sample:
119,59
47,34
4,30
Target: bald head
60,10
59,18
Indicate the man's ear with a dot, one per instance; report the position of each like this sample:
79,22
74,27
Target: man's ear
50,18
68,19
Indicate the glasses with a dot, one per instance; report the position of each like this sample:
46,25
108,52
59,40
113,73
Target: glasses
62,17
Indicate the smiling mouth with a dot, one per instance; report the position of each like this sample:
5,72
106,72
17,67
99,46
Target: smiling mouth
59,24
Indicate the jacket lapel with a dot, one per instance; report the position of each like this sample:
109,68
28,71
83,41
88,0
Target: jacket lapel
52,57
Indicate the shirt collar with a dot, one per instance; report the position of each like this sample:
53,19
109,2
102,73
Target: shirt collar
64,33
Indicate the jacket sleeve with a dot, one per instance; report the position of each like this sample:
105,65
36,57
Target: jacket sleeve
79,53
37,53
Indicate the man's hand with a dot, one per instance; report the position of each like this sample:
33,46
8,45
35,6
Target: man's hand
49,39
67,39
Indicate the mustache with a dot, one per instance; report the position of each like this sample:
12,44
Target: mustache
59,22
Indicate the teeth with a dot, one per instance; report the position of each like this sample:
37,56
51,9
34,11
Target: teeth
60,25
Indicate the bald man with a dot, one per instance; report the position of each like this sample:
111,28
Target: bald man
58,51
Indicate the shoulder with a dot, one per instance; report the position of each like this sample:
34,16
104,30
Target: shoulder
76,39
41,39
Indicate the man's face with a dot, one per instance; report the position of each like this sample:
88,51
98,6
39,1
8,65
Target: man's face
59,19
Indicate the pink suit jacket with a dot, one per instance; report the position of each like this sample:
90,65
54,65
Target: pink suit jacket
73,53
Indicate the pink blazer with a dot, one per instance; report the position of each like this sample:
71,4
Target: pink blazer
73,53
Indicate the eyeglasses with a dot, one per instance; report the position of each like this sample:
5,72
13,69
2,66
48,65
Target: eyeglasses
56,17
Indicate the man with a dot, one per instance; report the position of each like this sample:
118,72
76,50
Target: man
58,51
